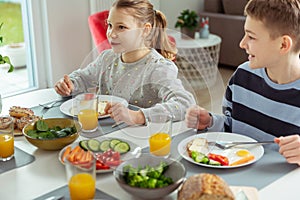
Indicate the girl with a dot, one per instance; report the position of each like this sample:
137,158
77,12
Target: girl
137,68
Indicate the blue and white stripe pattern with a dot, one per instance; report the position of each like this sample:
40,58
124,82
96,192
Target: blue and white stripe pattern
257,107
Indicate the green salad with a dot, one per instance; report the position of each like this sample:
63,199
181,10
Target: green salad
42,131
147,177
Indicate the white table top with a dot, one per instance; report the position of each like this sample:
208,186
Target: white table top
212,40
46,173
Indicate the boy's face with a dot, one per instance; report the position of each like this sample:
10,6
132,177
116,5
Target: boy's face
123,33
264,52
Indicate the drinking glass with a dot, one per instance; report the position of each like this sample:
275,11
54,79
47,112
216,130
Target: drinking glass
81,179
86,105
0,104
160,127
6,138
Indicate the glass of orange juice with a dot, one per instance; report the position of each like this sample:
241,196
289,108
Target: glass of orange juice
86,106
160,129
81,179
6,138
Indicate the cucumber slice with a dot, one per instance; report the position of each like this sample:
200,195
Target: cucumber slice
113,143
104,145
122,147
84,145
93,145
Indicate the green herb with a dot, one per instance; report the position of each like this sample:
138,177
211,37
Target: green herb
42,131
41,125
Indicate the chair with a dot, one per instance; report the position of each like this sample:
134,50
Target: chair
98,27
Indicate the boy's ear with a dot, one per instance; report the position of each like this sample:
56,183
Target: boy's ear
286,43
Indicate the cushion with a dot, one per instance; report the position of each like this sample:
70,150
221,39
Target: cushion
234,7
214,6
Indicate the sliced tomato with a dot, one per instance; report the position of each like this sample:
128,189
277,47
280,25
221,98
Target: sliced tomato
219,158
100,165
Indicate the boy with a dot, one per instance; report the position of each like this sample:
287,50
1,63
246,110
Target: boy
262,99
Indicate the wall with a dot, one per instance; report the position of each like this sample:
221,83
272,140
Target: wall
172,8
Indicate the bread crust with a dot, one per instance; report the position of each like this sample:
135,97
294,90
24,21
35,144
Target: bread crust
203,148
205,187
18,112
23,121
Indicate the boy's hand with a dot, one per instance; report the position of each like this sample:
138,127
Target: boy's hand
64,86
197,117
289,147
120,113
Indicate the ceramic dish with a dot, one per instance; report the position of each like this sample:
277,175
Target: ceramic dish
135,152
256,150
67,107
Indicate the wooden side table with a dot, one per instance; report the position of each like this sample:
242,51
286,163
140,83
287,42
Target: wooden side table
198,58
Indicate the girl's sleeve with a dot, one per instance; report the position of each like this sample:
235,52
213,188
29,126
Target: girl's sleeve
175,98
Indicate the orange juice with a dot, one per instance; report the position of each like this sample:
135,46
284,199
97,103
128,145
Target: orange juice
160,144
88,119
6,145
82,187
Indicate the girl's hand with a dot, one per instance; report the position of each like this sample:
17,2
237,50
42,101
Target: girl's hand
289,147
120,113
64,86
197,117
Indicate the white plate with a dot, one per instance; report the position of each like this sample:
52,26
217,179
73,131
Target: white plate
256,150
67,106
135,152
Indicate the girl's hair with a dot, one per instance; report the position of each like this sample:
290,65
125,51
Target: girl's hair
143,11
281,17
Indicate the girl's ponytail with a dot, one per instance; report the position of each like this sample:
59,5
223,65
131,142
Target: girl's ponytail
160,40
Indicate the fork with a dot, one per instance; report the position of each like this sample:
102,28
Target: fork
51,104
227,145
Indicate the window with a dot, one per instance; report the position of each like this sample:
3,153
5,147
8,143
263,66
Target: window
16,44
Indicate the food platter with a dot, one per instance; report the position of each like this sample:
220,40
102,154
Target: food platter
256,150
67,107
134,152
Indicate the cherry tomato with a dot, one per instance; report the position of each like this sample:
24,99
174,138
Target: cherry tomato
219,158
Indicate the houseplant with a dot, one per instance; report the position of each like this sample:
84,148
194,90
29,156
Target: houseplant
5,59
188,23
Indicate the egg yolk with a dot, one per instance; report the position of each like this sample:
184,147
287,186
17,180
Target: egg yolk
242,153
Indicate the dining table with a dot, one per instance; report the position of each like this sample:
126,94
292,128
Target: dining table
43,175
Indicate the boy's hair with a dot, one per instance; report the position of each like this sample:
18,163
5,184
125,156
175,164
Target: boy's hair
143,11
281,17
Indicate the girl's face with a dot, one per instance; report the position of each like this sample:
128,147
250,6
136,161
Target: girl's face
264,52
124,32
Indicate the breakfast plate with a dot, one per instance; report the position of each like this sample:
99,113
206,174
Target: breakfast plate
256,150
134,152
68,109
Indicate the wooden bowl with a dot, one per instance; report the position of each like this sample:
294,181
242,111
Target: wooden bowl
56,143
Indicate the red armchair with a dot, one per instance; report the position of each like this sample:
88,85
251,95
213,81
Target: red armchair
98,27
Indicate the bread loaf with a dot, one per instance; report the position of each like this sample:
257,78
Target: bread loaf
205,187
